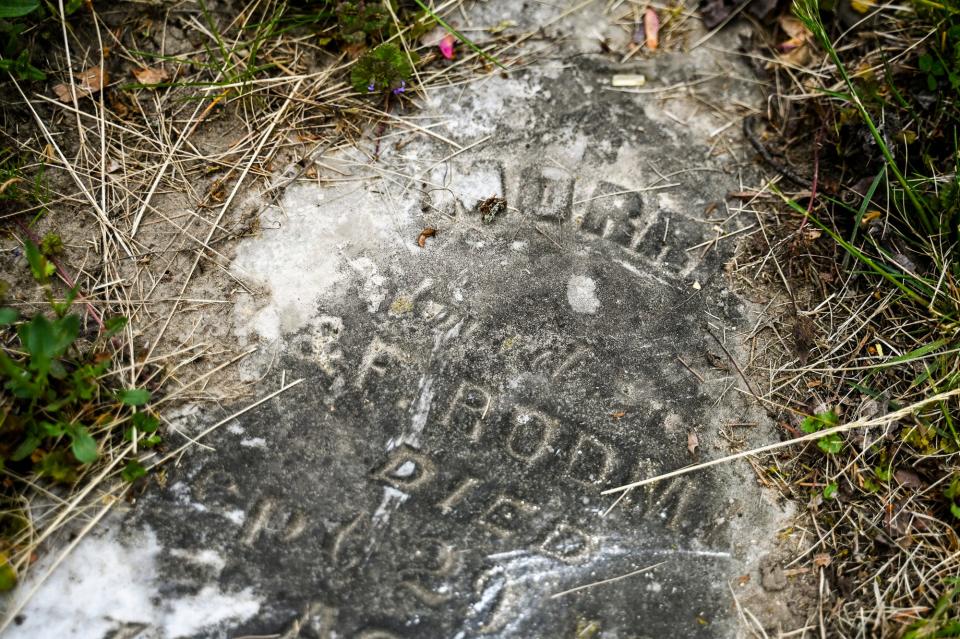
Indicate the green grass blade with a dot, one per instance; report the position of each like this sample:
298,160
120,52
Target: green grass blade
858,254
918,352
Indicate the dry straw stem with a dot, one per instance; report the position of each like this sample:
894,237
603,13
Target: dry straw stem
633,573
889,418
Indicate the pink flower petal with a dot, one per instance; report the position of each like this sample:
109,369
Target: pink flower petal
651,27
446,46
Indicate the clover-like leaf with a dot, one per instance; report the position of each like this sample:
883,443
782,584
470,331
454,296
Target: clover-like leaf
84,447
133,396
133,471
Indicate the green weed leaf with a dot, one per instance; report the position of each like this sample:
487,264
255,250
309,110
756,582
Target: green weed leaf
85,379
150,442
41,267
818,422
8,576
145,422
831,444
51,429
19,380
114,325
61,308
7,316
51,245
45,340
57,466
830,490
133,471
84,447
26,447
381,69
133,396
17,8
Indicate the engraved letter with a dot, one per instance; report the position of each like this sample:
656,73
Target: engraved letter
531,435
406,469
592,461
614,215
378,359
467,410
547,193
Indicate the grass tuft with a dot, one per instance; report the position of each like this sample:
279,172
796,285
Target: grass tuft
868,262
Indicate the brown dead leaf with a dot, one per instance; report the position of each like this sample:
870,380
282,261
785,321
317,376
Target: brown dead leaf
794,28
151,75
821,560
118,105
63,92
693,444
217,192
717,361
743,580
617,414
795,49
804,337
424,234
86,84
908,478
93,79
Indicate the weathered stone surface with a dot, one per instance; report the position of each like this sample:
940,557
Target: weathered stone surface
438,474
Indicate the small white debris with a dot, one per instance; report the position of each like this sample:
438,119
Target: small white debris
628,80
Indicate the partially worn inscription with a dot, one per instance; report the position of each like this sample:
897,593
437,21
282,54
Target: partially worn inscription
439,474
451,482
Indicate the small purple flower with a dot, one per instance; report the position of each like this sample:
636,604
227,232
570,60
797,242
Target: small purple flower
400,89
371,87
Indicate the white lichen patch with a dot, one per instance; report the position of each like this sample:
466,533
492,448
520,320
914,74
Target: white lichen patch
503,101
326,240
372,282
106,584
582,294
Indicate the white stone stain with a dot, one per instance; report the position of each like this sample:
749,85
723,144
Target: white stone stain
392,498
106,583
406,469
325,239
582,295
420,410
503,102
521,567
372,290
